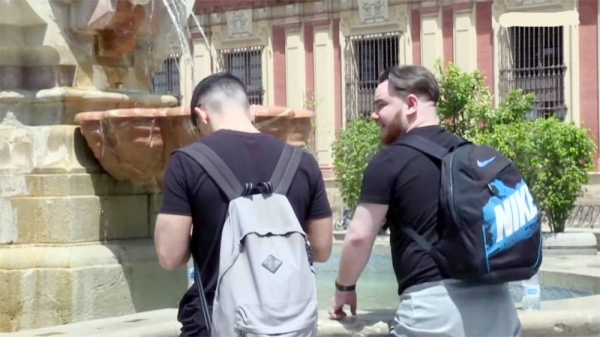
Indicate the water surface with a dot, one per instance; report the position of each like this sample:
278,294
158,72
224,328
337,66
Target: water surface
377,287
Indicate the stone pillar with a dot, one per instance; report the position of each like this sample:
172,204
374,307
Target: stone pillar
75,244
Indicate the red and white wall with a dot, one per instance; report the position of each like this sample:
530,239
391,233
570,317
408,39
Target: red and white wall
304,44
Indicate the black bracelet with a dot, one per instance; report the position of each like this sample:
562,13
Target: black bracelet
340,287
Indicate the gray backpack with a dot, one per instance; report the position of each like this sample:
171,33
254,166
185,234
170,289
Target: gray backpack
266,284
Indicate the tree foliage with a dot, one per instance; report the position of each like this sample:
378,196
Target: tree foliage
553,156
354,147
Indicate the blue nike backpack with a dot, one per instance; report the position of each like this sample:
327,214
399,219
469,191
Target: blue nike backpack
490,227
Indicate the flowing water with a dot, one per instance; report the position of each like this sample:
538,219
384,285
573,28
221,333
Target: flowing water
179,12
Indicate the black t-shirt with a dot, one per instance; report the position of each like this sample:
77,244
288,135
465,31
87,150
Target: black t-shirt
409,182
188,190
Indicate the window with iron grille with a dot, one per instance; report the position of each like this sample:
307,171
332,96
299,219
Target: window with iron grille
366,56
166,80
246,64
531,59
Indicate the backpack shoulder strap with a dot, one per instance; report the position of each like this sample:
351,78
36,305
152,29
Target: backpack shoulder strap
417,238
215,168
286,168
424,145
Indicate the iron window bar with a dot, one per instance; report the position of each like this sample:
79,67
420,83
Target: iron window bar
246,64
166,80
531,59
366,56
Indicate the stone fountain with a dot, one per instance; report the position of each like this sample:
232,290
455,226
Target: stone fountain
82,150
134,144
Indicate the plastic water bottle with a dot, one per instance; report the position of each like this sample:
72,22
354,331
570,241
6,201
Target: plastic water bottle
190,272
531,294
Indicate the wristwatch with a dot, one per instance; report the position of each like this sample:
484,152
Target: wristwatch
340,287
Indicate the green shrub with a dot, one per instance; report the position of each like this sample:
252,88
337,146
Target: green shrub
465,102
466,108
516,142
562,159
352,150
513,109
553,156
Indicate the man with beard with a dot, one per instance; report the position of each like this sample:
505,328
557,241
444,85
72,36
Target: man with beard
402,185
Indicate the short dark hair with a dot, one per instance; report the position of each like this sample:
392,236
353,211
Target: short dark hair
223,83
416,80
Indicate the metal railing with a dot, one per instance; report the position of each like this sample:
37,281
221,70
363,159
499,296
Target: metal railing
586,216
531,59
166,80
245,64
366,56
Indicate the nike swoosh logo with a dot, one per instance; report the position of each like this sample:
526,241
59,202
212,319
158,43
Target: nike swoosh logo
485,162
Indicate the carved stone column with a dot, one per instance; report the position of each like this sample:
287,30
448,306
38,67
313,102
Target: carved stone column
74,243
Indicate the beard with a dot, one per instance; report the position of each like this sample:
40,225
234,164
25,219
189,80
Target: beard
391,131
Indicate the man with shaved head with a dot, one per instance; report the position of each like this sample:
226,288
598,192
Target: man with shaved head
221,112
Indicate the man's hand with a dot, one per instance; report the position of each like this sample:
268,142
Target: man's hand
340,299
356,251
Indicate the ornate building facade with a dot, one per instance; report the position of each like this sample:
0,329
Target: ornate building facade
326,54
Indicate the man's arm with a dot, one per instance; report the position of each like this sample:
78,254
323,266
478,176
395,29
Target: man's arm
361,234
320,236
174,221
367,220
172,240
319,222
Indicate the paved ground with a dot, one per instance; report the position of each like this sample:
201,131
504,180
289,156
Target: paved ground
158,323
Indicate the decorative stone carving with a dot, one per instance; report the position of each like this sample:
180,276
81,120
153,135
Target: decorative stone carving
262,13
221,40
430,3
119,37
239,23
292,9
345,4
263,34
215,18
115,36
372,11
64,57
522,4
402,18
396,20
320,6
134,144
534,2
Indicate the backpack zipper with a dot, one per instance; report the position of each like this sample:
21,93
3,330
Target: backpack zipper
451,196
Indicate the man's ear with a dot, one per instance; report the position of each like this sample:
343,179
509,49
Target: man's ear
202,115
412,103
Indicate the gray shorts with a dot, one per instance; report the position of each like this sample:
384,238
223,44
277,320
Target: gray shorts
454,308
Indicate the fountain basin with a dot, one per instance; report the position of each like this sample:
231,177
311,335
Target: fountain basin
134,144
571,316
290,125
377,287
